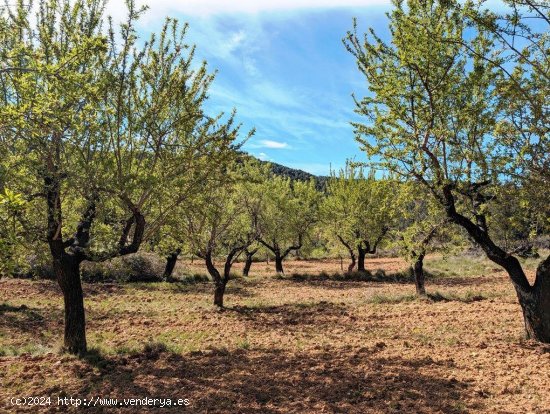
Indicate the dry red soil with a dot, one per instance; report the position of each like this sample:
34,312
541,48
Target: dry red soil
281,346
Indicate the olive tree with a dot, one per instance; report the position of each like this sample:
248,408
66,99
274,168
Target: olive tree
434,115
111,128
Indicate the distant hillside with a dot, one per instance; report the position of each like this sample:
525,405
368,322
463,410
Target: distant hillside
293,173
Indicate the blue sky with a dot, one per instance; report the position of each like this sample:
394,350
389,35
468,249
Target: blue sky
284,68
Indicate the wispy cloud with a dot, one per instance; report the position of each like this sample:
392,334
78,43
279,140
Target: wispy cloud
271,144
213,7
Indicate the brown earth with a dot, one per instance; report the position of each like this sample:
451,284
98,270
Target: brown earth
293,345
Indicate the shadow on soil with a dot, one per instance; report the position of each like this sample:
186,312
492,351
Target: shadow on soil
276,381
21,318
351,280
286,316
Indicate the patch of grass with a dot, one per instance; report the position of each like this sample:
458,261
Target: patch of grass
467,297
391,299
95,357
243,344
193,278
459,266
154,348
29,348
365,276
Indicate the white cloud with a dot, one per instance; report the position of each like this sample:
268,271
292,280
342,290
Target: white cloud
212,7
268,143
263,156
235,41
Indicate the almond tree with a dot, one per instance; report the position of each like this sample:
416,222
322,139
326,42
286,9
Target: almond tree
287,214
218,224
358,211
423,227
434,115
106,133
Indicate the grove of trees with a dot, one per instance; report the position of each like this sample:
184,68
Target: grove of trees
106,149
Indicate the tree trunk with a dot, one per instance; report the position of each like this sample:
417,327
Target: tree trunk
171,261
350,251
534,300
536,305
351,266
279,263
419,280
218,294
247,265
216,277
67,270
361,259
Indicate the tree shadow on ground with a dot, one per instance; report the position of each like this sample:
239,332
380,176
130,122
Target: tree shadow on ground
367,276
290,315
458,281
353,280
20,318
278,381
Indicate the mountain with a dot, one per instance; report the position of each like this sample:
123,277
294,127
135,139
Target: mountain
293,173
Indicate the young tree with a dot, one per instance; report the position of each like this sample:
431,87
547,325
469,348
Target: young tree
286,216
422,227
432,116
218,225
249,253
359,211
109,128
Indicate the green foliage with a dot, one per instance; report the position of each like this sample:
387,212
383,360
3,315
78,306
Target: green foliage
12,206
423,226
429,111
103,125
438,109
219,222
358,208
287,212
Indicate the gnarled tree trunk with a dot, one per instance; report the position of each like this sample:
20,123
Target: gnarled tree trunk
419,279
220,281
280,256
171,261
361,253
536,305
248,262
219,293
67,266
534,300
67,271
351,266
67,256
279,263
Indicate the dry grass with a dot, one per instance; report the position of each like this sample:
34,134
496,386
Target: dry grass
292,345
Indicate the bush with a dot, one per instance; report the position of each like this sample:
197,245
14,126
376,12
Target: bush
138,267
40,267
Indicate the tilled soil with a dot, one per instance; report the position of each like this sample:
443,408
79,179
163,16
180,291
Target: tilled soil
281,346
